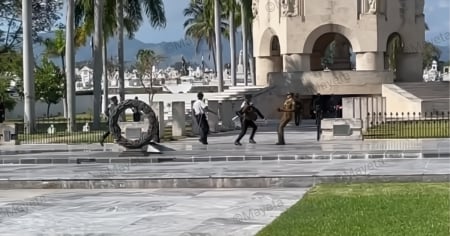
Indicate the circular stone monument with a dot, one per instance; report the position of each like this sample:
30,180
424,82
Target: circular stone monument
152,133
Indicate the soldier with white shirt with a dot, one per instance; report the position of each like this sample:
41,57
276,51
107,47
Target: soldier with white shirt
200,110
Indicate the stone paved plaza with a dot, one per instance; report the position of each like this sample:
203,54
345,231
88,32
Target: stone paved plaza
301,142
193,189
140,212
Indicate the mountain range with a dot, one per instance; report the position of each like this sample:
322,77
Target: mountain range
171,51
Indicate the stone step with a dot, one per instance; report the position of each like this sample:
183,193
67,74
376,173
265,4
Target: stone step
104,180
237,92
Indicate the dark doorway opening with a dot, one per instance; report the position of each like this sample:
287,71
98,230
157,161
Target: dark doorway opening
331,105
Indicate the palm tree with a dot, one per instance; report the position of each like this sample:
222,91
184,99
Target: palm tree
98,69
120,52
28,66
131,22
231,8
70,73
217,33
250,43
244,41
247,39
146,59
119,16
56,47
84,17
154,9
200,25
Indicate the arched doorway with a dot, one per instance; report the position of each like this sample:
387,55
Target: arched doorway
332,51
269,58
394,50
275,53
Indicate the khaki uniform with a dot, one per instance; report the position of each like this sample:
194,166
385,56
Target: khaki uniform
288,110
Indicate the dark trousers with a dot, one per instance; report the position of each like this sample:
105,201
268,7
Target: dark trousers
283,124
244,126
105,135
107,132
204,127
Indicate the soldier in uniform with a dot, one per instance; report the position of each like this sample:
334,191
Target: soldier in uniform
298,109
288,110
318,112
318,108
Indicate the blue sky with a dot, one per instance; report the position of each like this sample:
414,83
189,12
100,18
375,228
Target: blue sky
437,15
436,12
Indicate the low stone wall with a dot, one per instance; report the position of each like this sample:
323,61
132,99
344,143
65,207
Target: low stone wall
358,83
332,82
436,105
8,134
338,129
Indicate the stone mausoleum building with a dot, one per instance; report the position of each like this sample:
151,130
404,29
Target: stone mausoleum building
293,40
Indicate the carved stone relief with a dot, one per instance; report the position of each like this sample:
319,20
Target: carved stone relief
255,4
372,7
289,7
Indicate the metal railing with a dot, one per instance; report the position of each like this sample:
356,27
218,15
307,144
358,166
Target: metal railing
407,125
54,131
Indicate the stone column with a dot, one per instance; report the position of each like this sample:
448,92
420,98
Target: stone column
178,119
195,128
158,108
266,65
213,120
369,61
296,62
226,114
348,108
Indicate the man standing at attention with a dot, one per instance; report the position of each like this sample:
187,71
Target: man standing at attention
199,108
249,115
288,110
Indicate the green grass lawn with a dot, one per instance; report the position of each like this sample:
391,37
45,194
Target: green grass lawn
410,129
417,209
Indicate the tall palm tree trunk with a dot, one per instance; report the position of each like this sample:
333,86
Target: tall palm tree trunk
28,66
98,65
64,98
233,43
105,74
213,52
244,42
70,65
251,59
120,52
217,21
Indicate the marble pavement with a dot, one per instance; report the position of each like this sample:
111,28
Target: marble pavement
143,212
301,144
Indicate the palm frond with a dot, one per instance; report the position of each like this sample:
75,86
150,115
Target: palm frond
154,9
